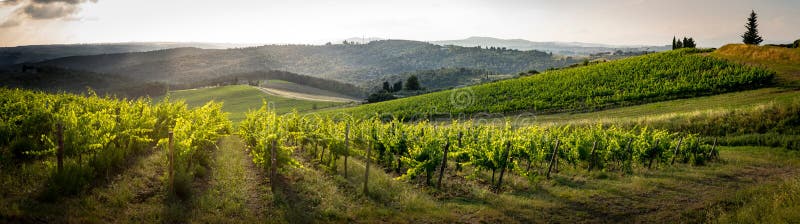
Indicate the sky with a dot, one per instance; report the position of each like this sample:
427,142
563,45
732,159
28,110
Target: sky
711,23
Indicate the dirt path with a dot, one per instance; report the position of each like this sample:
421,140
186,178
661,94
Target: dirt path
303,96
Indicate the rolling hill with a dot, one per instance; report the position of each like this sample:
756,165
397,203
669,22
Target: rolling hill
37,53
655,77
239,99
352,63
784,61
333,87
54,80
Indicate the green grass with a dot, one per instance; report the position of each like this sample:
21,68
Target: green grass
728,101
637,80
239,99
232,192
770,203
751,184
682,193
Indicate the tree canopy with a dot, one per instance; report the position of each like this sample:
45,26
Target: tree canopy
751,35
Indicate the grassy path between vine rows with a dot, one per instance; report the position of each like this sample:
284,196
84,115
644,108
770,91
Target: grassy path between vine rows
233,191
747,183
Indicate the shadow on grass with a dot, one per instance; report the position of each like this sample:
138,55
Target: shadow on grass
38,198
180,203
298,211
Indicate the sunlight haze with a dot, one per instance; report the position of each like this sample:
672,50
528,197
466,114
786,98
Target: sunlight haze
628,22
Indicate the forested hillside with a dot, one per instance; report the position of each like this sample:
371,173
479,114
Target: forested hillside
56,80
352,63
443,78
37,53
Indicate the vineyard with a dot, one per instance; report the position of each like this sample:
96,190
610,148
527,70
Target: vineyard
82,139
649,78
422,150
167,161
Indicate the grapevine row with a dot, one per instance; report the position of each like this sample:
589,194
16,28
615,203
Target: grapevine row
649,78
417,150
92,136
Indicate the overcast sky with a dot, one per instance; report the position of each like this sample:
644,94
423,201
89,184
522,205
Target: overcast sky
625,22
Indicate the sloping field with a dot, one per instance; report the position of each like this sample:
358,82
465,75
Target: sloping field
239,99
785,61
302,92
638,80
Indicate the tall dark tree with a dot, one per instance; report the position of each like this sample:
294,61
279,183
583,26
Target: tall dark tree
412,83
678,44
751,35
674,43
689,43
386,87
398,86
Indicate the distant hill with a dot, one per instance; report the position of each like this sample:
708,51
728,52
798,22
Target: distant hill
37,53
562,48
53,79
352,63
361,40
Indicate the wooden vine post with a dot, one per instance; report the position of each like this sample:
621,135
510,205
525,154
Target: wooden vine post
591,156
171,162
444,164
346,148
366,171
675,154
316,146
322,155
652,157
273,162
630,150
60,149
714,154
553,159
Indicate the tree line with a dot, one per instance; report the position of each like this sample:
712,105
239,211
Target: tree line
750,36
386,91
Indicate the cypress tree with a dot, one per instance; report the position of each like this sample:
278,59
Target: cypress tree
673,43
386,87
751,35
412,83
689,43
398,86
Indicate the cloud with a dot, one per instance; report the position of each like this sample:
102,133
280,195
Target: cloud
8,2
9,23
40,10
